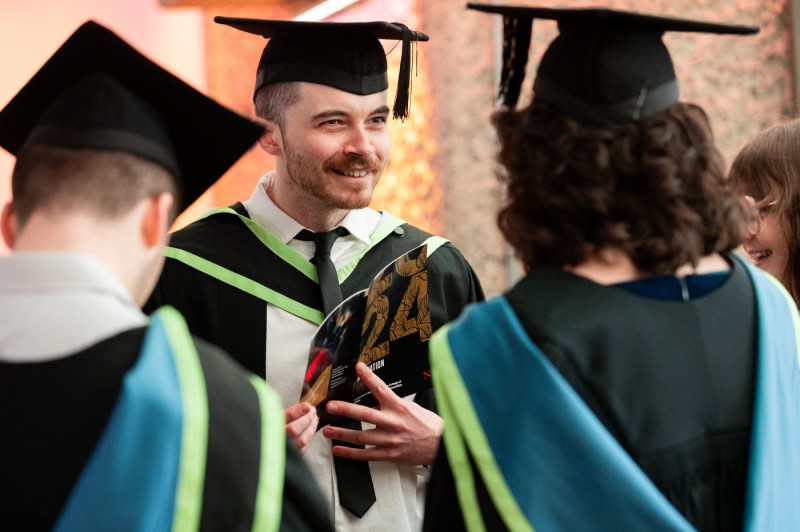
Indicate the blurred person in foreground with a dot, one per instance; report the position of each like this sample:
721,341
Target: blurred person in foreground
640,376
766,172
112,421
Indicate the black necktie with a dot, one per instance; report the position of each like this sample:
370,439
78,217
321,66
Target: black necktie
326,271
356,492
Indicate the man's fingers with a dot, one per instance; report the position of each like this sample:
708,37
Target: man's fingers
302,427
303,440
359,437
357,412
378,388
297,411
368,454
342,434
301,424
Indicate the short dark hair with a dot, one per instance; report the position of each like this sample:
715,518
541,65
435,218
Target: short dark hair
768,169
271,101
105,183
654,188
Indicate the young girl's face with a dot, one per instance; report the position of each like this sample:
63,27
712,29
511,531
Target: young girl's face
767,247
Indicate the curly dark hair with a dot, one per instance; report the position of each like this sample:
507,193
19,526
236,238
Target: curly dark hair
654,189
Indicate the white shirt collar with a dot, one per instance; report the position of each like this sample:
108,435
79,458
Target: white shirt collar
23,271
263,211
53,304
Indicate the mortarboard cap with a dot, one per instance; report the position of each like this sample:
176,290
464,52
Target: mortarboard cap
98,92
604,66
345,55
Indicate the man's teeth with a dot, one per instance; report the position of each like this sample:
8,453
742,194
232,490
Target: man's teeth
353,173
758,255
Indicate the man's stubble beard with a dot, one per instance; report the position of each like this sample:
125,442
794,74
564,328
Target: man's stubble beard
298,170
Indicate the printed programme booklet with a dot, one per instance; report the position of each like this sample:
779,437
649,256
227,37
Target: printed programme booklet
387,326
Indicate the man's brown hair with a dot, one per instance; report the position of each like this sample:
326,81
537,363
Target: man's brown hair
106,184
271,101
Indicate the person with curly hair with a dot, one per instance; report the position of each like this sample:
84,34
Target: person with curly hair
767,172
614,387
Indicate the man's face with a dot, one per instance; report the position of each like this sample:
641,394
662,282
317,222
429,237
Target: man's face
335,145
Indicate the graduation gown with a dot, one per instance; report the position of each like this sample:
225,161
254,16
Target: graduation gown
148,430
575,406
223,269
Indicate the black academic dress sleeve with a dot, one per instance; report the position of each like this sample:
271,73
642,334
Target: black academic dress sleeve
304,506
442,511
442,508
452,285
234,454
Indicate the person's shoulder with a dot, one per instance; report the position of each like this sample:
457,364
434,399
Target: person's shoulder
449,272
448,268
477,312
218,219
449,251
438,243
445,257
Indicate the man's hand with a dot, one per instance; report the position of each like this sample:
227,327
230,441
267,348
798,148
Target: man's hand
301,424
404,433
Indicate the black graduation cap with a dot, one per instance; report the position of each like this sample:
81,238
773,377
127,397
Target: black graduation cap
604,66
98,92
344,55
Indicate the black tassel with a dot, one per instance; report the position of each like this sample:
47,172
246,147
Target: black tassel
403,94
517,33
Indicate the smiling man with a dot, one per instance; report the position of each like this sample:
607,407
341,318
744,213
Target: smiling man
332,149
243,279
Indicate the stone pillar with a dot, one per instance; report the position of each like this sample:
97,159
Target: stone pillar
462,67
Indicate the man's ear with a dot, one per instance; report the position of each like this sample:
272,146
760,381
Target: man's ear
270,141
8,225
156,219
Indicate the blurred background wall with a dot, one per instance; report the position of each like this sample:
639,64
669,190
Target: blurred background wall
441,175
